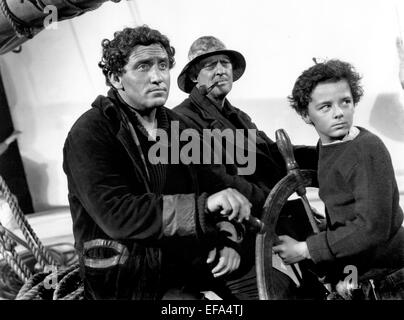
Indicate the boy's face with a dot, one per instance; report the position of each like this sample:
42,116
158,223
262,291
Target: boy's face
331,110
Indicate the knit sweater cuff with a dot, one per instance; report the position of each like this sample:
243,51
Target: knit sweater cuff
179,215
318,248
203,219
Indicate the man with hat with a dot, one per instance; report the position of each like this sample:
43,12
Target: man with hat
208,78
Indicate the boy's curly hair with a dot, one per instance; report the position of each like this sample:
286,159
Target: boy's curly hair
116,52
328,71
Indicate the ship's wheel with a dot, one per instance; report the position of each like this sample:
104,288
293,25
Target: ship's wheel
296,181
274,203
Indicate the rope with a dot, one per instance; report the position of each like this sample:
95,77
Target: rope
10,236
27,290
34,287
10,283
42,256
34,247
9,243
20,28
66,278
19,270
11,257
40,5
72,277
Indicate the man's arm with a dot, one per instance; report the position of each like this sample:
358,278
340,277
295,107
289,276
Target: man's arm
95,171
214,178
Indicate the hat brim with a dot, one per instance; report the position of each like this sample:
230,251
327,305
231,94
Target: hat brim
238,62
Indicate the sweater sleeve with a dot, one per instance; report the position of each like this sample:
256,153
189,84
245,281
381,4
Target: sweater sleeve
186,215
372,182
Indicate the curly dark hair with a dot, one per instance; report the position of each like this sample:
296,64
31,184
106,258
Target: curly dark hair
116,52
328,71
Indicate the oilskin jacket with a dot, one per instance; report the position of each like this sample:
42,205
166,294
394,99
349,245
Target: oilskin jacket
200,113
118,222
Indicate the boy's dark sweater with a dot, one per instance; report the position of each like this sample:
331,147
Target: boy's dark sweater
364,219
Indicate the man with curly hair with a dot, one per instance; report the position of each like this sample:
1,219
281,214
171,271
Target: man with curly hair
357,185
141,227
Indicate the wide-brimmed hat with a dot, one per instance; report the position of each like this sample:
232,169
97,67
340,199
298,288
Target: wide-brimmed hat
204,47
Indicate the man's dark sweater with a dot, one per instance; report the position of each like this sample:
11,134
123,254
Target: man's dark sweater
364,219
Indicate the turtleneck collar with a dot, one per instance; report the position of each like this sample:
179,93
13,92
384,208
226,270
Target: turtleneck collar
352,134
136,117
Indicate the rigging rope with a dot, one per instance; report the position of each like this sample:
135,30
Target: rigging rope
65,279
20,28
63,283
13,260
40,253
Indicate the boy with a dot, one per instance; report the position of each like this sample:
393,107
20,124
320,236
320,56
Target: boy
357,184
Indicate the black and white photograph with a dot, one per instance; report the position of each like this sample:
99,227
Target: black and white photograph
217,151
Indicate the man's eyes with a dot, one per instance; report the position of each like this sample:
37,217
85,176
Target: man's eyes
143,67
163,65
212,65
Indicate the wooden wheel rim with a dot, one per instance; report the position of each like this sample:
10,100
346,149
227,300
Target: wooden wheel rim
270,214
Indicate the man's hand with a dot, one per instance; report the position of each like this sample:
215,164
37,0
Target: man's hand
231,203
290,250
400,51
229,261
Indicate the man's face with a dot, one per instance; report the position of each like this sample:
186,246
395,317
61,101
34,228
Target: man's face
217,68
146,79
331,110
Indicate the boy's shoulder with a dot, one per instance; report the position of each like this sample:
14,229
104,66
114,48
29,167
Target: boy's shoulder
369,140
368,145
